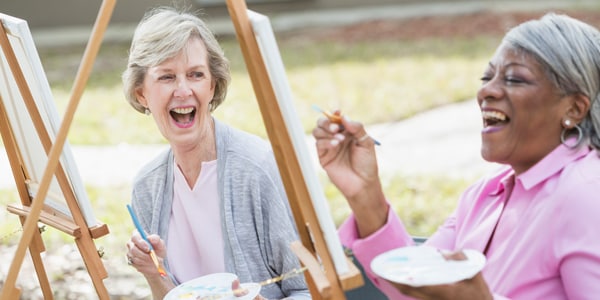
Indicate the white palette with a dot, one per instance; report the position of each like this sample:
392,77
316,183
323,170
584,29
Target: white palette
213,286
424,265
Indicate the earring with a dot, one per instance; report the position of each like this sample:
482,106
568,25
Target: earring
147,111
567,123
564,136
210,106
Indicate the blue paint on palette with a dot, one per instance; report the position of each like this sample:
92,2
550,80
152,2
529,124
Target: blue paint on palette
398,259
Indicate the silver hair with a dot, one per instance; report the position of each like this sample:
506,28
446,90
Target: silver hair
569,50
161,34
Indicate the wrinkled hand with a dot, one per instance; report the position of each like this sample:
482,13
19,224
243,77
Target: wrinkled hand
138,253
474,288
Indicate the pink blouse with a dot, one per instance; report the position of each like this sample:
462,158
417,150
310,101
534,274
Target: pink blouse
546,244
194,241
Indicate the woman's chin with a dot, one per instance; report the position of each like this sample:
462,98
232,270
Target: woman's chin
488,154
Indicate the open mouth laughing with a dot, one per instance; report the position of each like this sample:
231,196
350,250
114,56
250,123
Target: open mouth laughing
183,116
494,119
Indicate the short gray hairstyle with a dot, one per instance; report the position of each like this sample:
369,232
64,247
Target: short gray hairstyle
161,34
569,50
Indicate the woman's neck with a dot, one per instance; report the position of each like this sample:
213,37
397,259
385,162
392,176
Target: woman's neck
189,158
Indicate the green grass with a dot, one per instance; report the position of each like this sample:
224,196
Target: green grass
422,202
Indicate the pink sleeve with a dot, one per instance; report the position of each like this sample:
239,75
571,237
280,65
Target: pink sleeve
392,235
445,235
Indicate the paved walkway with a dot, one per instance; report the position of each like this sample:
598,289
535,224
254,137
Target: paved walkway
442,141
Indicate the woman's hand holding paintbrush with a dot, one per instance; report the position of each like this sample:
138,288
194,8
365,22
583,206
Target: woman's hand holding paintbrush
347,153
146,246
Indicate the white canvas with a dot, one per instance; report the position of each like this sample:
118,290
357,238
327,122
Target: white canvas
30,146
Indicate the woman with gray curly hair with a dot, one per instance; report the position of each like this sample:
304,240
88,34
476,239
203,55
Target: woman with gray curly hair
214,201
536,219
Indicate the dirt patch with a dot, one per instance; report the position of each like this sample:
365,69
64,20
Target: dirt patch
467,25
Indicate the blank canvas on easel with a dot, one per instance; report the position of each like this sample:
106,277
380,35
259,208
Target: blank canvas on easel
270,52
32,151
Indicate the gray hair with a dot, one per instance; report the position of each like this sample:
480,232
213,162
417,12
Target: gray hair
161,34
569,50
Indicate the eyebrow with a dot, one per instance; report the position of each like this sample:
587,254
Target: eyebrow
511,64
169,69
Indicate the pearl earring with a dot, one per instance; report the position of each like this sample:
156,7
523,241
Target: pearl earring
568,123
147,111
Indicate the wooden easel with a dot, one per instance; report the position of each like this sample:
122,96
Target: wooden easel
33,211
323,282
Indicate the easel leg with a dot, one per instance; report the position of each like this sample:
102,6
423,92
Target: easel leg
13,293
94,266
36,247
41,273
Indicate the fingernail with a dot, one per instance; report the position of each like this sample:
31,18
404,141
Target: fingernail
333,127
334,142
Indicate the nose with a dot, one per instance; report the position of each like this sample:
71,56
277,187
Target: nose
490,90
182,89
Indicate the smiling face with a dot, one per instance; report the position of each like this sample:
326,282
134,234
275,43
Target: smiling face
521,109
178,92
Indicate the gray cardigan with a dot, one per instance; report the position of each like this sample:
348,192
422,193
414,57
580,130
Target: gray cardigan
257,223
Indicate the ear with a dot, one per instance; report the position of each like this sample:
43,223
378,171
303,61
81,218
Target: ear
579,106
139,95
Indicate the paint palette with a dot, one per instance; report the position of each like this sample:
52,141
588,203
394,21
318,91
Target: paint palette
424,265
212,287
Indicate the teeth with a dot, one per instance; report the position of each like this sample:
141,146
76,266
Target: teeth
183,111
494,115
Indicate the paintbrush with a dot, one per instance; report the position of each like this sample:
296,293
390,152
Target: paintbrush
337,118
138,226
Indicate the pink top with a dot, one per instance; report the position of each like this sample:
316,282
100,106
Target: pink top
194,240
547,241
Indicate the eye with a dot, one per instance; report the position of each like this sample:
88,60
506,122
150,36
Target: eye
166,77
196,74
513,80
486,77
